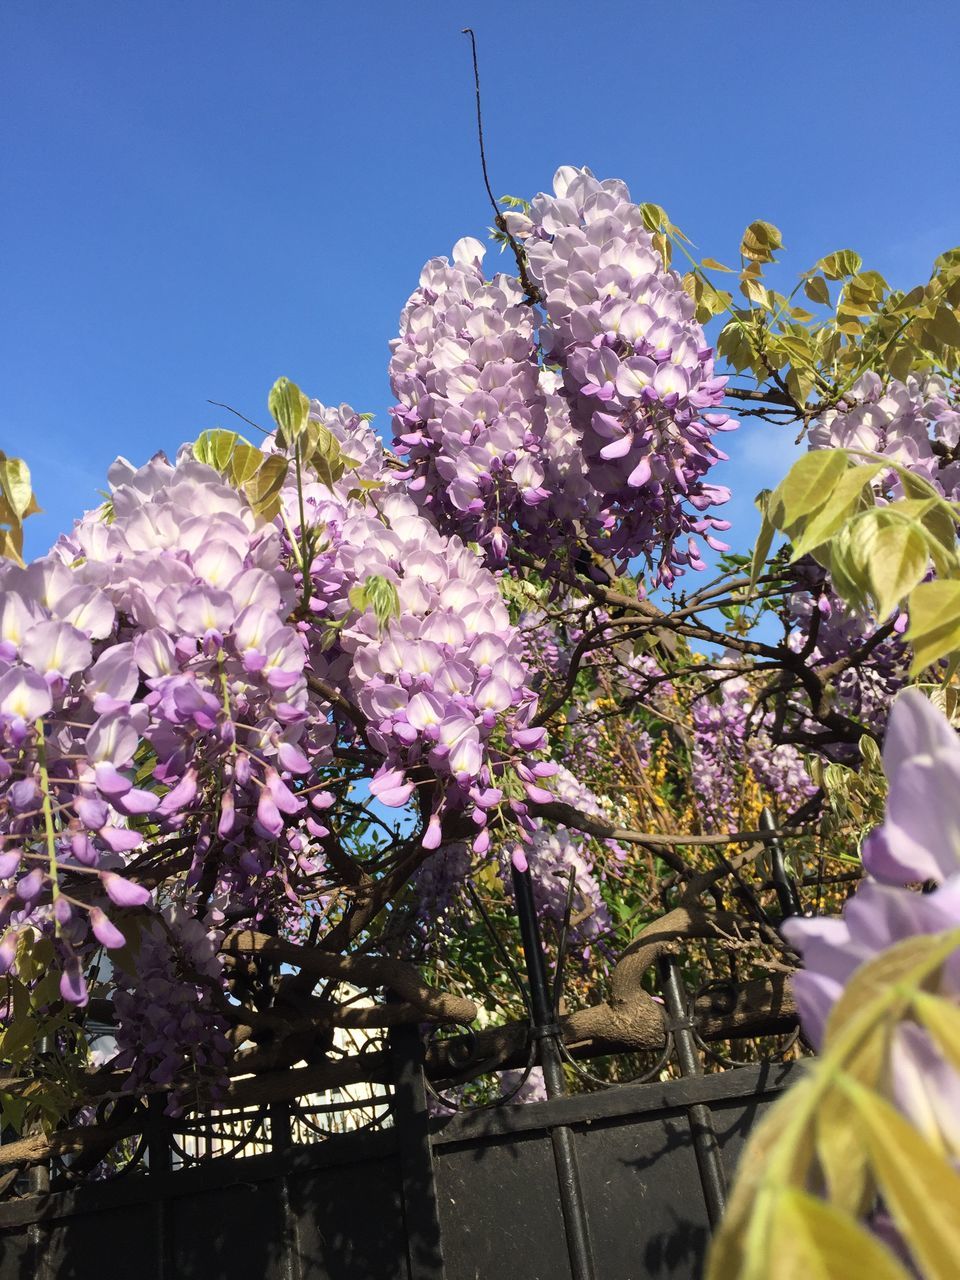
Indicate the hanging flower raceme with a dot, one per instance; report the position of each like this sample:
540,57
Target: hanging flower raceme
471,416
435,667
518,421
733,743
637,371
918,843
150,678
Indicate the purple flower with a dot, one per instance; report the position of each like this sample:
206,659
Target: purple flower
917,842
920,836
125,893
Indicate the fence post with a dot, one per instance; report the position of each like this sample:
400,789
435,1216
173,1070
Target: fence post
421,1214
699,1116
546,1031
786,890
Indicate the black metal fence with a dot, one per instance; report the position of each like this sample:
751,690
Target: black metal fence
623,1183
477,1197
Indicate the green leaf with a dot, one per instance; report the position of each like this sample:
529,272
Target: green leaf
747,1222
263,487
653,217
214,448
934,622
290,409
945,327
842,1156
244,463
815,287
863,292
842,263
894,553
15,485
760,242
800,383
755,291
816,1241
735,344
846,498
764,539
11,545
322,452
712,265
942,1019
807,486
920,1188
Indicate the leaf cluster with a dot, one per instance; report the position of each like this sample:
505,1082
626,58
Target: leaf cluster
814,1169
17,501
878,553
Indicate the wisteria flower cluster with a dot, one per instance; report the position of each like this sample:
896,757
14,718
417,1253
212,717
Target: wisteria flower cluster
517,421
731,737
170,1033
915,423
471,417
173,680
637,370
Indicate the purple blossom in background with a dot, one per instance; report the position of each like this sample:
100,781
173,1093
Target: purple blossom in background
729,736
915,423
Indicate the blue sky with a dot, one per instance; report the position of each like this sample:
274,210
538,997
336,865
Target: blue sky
201,195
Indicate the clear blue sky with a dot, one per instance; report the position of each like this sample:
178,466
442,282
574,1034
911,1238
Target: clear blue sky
201,195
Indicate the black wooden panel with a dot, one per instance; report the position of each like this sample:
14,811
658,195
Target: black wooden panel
642,1188
733,1122
500,1210
17,1259
114,1245
237,1231
349,1223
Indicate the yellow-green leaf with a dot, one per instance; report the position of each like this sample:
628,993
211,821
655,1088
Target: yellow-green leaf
322,452
934,622
215,447
755,291
263,487
842,263
764,539
735,345
812,1240
712,265
893,552
815,287
919,1187
290,409
653,217
11,545
807,486
945,327
244,462
760,241
15,484
845,500
942,1019
842,1155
